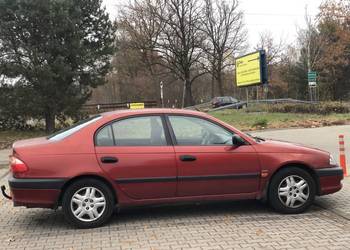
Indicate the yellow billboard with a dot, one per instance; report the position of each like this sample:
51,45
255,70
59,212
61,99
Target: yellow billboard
249,70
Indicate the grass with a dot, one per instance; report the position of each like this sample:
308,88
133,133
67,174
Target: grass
248,121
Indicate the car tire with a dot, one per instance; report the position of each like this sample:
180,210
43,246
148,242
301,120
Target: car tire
88,203
292,190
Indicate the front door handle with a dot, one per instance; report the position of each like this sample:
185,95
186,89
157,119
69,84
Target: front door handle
187,158
109,159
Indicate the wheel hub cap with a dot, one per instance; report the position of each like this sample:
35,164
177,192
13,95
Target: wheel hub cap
293,191
88,204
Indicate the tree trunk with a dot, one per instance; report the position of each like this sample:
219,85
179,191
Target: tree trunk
218,72
212,86
221,89
49,122
188,93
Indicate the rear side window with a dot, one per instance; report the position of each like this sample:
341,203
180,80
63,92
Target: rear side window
136,131
60,135
105,137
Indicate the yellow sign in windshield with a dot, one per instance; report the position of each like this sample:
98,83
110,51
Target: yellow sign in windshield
248,70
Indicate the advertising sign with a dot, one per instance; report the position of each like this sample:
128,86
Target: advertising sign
251,69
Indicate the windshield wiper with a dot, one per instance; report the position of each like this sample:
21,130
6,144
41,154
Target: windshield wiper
258,139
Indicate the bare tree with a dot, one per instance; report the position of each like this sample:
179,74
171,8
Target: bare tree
180,42
138,32
168,34
274,52
139,23
273,48
223,26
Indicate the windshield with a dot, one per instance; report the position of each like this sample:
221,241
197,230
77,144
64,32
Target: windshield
59,135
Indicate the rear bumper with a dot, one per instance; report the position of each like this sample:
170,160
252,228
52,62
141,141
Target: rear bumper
35,192
330,180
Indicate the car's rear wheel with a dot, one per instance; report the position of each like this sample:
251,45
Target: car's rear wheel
87,203
292,190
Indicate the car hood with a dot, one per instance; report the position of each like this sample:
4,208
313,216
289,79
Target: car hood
279,146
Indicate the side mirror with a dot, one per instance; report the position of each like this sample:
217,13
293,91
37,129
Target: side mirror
238,141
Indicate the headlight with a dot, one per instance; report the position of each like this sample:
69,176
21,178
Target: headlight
332,160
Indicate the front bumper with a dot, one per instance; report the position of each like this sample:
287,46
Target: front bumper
35,192
330,179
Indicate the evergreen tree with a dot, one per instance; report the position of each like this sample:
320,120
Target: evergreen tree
57,49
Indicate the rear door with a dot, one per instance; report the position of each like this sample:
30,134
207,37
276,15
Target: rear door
137,155
208,163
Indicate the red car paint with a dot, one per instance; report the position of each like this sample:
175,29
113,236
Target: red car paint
220,172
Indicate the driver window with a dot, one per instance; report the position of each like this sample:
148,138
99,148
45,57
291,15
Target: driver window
192,131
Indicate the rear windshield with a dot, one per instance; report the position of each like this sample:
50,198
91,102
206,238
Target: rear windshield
59,135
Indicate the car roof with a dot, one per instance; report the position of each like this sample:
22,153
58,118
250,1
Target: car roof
126,112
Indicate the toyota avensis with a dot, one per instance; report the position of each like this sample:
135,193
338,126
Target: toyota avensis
151,156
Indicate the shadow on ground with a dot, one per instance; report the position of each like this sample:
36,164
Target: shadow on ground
164,216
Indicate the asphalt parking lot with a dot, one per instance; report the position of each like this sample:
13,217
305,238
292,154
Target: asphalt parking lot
229,225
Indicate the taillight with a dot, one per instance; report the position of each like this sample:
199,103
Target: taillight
17,166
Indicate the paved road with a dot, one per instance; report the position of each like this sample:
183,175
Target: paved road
325,138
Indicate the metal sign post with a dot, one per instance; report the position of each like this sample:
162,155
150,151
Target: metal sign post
161,94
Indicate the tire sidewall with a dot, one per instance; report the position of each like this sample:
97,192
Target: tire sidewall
274,185
74,187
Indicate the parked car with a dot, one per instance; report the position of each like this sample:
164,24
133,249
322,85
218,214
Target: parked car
151,156
227,100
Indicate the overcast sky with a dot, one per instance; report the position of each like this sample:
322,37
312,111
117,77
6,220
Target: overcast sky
280,17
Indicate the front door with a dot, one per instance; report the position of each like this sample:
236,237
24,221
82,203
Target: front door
208,163
136,154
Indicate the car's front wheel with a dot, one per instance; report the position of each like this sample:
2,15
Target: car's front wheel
292,190
87,203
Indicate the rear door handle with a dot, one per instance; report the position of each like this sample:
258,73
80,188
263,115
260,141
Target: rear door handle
187,158
109,159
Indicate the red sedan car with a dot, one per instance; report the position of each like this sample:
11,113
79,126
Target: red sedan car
128,158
